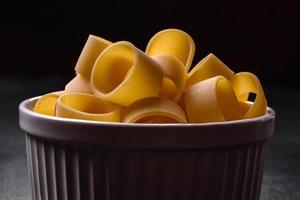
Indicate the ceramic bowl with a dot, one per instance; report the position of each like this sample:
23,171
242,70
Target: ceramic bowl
71,159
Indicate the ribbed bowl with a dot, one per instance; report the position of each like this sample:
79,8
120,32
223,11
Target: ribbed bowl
82,160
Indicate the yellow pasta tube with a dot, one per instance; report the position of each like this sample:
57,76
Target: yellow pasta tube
123,74
245,107
208,67
174,43
245,83
46,103
79,84
154,110
87,107
174,71
91,50
212,100
168,89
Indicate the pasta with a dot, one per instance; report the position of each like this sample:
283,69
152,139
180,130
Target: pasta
117,82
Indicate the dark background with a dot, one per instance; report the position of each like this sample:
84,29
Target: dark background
260,36
40,44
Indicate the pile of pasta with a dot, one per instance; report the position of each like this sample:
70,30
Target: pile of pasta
117,82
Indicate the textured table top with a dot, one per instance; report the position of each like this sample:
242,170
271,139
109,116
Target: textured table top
282,169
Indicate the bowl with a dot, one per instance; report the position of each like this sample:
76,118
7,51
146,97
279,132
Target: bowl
70,159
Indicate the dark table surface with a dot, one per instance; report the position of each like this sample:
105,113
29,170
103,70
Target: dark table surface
282,170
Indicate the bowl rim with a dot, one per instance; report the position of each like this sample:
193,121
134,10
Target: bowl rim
23,107
145,136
